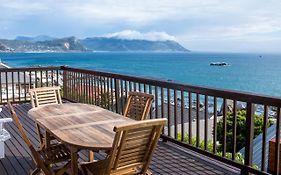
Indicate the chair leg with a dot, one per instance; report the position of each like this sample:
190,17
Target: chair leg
63,169
83,170
148,172
35,171
42,144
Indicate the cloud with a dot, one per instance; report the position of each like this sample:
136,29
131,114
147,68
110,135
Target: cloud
132,34
13,10
23,6
136,13
190,21
251,29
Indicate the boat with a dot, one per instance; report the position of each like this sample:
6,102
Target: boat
219,64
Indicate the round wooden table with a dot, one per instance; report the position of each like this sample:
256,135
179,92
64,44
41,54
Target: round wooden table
81,126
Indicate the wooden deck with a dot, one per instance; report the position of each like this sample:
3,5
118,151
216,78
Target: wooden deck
168,159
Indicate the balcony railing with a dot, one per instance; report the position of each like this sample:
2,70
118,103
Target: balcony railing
15,82
193,112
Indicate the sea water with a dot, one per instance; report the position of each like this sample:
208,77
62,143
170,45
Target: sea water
255,73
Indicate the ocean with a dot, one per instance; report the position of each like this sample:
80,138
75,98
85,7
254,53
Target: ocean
255,73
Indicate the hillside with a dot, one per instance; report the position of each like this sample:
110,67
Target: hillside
56,45
44,43
115,44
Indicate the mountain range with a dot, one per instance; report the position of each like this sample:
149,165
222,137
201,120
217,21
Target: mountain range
43,43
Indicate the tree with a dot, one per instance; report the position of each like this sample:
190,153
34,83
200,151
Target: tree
241,129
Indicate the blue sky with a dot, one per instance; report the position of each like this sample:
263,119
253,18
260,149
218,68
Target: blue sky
210,25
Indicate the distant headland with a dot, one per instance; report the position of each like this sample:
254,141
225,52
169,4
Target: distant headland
45,43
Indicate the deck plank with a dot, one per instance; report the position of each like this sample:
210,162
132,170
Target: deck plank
9,169
18,145
2,169
168,159
16,148
15,159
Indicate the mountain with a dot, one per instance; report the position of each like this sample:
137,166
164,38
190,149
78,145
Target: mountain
4,48
65,44
45,43
34,39
55,45
116,44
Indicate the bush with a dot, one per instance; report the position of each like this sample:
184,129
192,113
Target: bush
238,156
193,142
241,129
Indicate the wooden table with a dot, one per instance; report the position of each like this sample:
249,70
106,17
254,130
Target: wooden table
80,126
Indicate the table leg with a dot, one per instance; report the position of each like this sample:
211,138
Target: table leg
91,156
74,160
47,139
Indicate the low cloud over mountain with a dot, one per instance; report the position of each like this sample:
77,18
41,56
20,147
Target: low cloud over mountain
136,35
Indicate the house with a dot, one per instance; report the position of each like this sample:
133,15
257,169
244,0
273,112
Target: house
257,146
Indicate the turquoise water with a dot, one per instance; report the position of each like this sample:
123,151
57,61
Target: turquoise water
247,72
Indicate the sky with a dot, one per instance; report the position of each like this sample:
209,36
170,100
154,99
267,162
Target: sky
198,25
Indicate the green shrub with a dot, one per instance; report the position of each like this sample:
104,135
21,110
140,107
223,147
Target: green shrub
193,142
238,156
241,129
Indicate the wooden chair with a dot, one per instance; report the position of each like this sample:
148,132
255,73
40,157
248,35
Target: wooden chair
132,149
45,96
40,97
44,158
138,105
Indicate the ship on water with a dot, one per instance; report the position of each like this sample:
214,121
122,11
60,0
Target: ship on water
219,64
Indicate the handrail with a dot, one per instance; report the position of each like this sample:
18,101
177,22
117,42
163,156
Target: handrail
223,93
22,69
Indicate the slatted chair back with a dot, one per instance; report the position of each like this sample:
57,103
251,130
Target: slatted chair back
45,95
35,155
133,146
138,105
